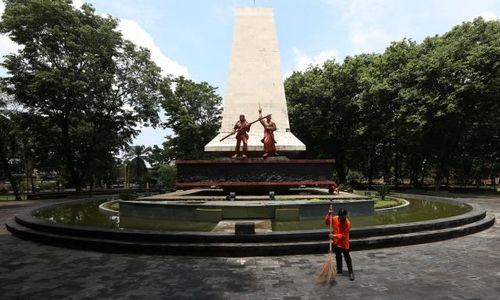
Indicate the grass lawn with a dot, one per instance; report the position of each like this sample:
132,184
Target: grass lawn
114,206
379,203
11,197
388,202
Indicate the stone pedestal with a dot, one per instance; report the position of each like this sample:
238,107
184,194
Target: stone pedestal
254,174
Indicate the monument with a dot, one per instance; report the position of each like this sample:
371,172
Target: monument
255,81
255,89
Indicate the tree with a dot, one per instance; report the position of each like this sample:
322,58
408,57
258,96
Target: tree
9,146
457,78
194,114
362,73
414,110
159,156
165,175
306,98
138,156
90,87
323,112
386,93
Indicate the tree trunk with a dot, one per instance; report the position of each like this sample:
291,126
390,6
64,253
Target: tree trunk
370,172
414,167
68,154
341,171
396,170
5,165
441,172
437,182
32,183
92,183
138,179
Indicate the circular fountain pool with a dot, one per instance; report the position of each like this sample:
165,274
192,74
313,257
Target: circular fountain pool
87,213
80,224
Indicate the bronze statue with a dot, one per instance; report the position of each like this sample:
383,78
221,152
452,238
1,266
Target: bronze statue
268,140
241,128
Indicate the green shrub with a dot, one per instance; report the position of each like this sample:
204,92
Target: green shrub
346,188
354,177
383,190
127,196
3,188
47,185
167,175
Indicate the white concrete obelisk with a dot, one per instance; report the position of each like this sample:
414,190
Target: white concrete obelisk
255,80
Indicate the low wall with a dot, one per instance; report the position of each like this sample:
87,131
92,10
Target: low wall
183,210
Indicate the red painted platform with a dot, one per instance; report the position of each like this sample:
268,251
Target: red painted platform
255,161
255,184
248,174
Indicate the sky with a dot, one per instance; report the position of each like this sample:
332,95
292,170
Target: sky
193,38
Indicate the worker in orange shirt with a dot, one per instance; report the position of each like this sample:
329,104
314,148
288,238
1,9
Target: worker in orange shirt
340,235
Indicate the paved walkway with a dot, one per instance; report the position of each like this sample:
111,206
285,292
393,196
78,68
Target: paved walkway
462,268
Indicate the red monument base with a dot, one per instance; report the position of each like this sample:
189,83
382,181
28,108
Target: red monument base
270,174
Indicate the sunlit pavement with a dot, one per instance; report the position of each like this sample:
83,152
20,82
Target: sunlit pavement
461,268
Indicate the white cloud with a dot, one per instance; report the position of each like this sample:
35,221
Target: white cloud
373,24
369,40
78,3
489,16
6,44
134,32
303,61
364,20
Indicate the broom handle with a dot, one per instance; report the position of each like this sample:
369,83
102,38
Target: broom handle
331,220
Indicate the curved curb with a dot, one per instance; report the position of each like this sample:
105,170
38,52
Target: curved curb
226,244
240,249
108,211
400,207
25,219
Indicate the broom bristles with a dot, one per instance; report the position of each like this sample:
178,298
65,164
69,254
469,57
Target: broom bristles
328,271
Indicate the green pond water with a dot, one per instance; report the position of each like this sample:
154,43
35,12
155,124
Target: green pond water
88,214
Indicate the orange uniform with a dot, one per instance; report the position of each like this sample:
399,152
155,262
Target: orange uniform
340,231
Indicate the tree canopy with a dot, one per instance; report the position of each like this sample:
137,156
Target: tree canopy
87,86
413,111
194,114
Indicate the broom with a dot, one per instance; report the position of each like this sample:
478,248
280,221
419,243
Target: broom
328,271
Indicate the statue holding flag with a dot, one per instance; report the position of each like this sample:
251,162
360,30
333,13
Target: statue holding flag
268,140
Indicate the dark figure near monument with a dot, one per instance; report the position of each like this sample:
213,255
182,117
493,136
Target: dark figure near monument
268,140
241,128
334,188
341,227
